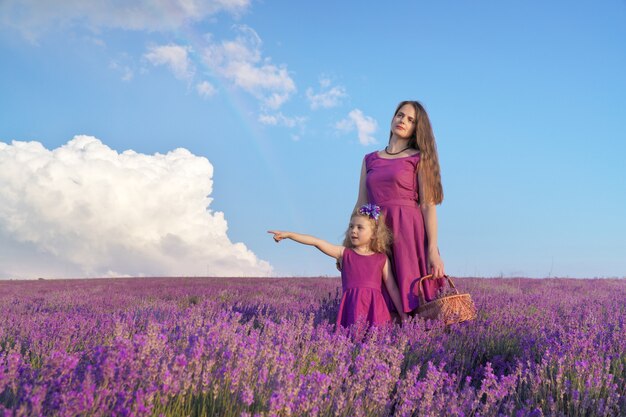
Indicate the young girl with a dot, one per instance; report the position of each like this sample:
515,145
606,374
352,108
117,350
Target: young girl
364,267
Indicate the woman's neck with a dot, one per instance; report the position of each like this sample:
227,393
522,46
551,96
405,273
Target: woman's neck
397,145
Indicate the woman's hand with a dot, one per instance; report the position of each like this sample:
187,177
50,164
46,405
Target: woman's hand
435,263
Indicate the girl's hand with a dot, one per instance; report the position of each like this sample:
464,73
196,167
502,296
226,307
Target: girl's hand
404,317
278,235
435,263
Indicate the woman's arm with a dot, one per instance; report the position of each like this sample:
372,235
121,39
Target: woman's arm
392,288
362,197
334,251
429,212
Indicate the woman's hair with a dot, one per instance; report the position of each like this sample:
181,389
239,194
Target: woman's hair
381,237
423,140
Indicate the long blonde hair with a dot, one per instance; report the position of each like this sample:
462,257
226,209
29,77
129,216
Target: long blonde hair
423,139
381,237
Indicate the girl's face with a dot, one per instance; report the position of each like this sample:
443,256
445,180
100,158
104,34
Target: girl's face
360,231
403,123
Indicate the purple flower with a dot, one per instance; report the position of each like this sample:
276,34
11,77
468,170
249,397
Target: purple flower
371,210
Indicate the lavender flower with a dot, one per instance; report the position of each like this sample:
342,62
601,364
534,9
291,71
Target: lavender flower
262,347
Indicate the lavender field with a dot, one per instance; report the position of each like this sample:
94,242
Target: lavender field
268,347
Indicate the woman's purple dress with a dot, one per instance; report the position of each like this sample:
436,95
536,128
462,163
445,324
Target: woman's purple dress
392,184
362,282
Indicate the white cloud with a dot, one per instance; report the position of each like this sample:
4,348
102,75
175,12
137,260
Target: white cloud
280,119
34,17
173,56
366,126
84,209
205,89
240,61
125,70
96,41
328,97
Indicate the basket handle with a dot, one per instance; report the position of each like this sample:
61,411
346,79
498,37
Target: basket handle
420,286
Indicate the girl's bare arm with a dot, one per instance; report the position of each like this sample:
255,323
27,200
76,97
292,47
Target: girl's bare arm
392,288
334,251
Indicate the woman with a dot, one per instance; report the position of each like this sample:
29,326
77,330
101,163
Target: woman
405,181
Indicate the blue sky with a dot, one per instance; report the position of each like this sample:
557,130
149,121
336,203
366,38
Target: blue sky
527,100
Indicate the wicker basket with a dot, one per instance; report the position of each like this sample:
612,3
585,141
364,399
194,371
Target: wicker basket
454,308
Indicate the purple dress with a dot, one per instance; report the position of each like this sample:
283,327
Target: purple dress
362,282
392,184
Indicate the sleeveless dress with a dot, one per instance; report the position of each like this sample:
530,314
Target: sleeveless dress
362,282
392,184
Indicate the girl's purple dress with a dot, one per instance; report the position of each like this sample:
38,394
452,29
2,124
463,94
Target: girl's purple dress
362,282
392,184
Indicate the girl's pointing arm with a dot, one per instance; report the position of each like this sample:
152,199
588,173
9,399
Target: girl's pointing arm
334,251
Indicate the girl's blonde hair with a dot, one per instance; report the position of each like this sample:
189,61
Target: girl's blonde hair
423,139
381,237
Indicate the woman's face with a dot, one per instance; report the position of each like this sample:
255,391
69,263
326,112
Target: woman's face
403,123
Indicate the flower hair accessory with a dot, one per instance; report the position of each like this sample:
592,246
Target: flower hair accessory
371,210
